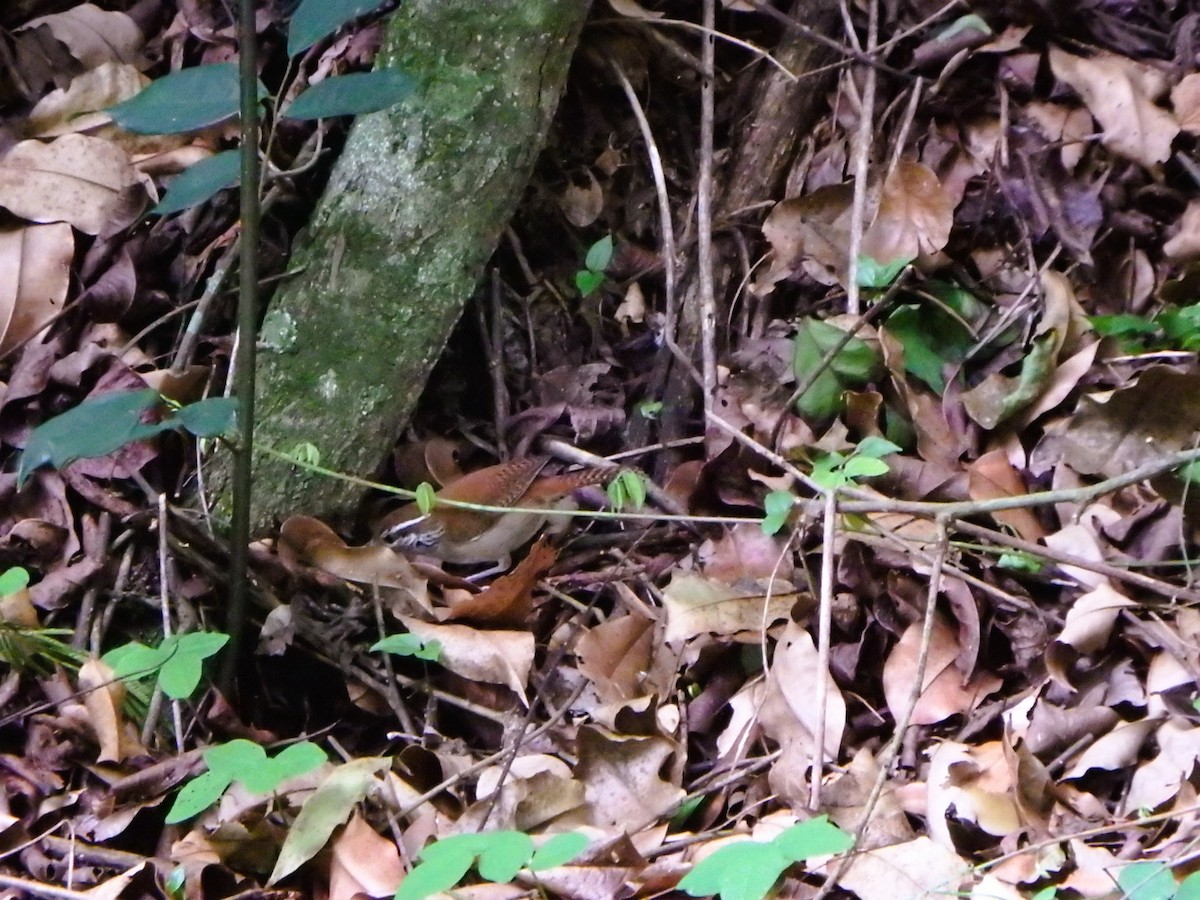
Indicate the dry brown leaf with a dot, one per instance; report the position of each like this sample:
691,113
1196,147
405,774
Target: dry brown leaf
497,657
311,542
582,203
810,232
35,273
80,106
363,862
914,217
1114,432
84,181
634,10
623,778
616,655
1158,780
992,477
507,601
1121,94
1185,100
789,713
915,868
103,696
1115,750
973,783
944,692
93,35
698,606
1184,245
17,609
1069,125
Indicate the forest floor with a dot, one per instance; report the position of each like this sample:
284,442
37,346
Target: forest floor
905,342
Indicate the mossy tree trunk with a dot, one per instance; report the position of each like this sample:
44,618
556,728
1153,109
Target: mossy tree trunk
413,210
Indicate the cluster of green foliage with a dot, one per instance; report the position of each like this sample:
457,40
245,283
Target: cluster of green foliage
1172,328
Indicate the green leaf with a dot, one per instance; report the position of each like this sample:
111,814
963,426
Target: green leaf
814,837
351,95
858,466
181,671
1146,881
586,281
200,182
777,505
931,338
328,807
971,21
134,660
855,365
235,757
198,795
827,471
1123,325
316,19
183,101
1020,561
13,580
96,427
1046,893
427,879
876,447
650,409
291,761
559,850
627,489
306,453
408,645
501,854
1189,888
743,871
213,417
873,274
599,255
425,497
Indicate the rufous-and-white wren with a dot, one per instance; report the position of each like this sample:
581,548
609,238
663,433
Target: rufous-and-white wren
468,536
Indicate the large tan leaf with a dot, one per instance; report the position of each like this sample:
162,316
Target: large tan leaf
992,477
497,657
362,862
623,778
79,106
35,272
93,35
696,605
76,179
1114,432
914,217
944,692
810,232
1121,94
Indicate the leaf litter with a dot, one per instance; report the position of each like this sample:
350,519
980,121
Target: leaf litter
664,692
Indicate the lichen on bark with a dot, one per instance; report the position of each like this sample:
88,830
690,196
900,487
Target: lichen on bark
412,211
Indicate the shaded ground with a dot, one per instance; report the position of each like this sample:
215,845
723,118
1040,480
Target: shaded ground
976,588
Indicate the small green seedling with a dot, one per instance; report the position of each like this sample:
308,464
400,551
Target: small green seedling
777,505
499,856
13,580
178,661
306,454
835,470
425,496
748,870
408,645
628,489
591,276
245,762
874,274
650,409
